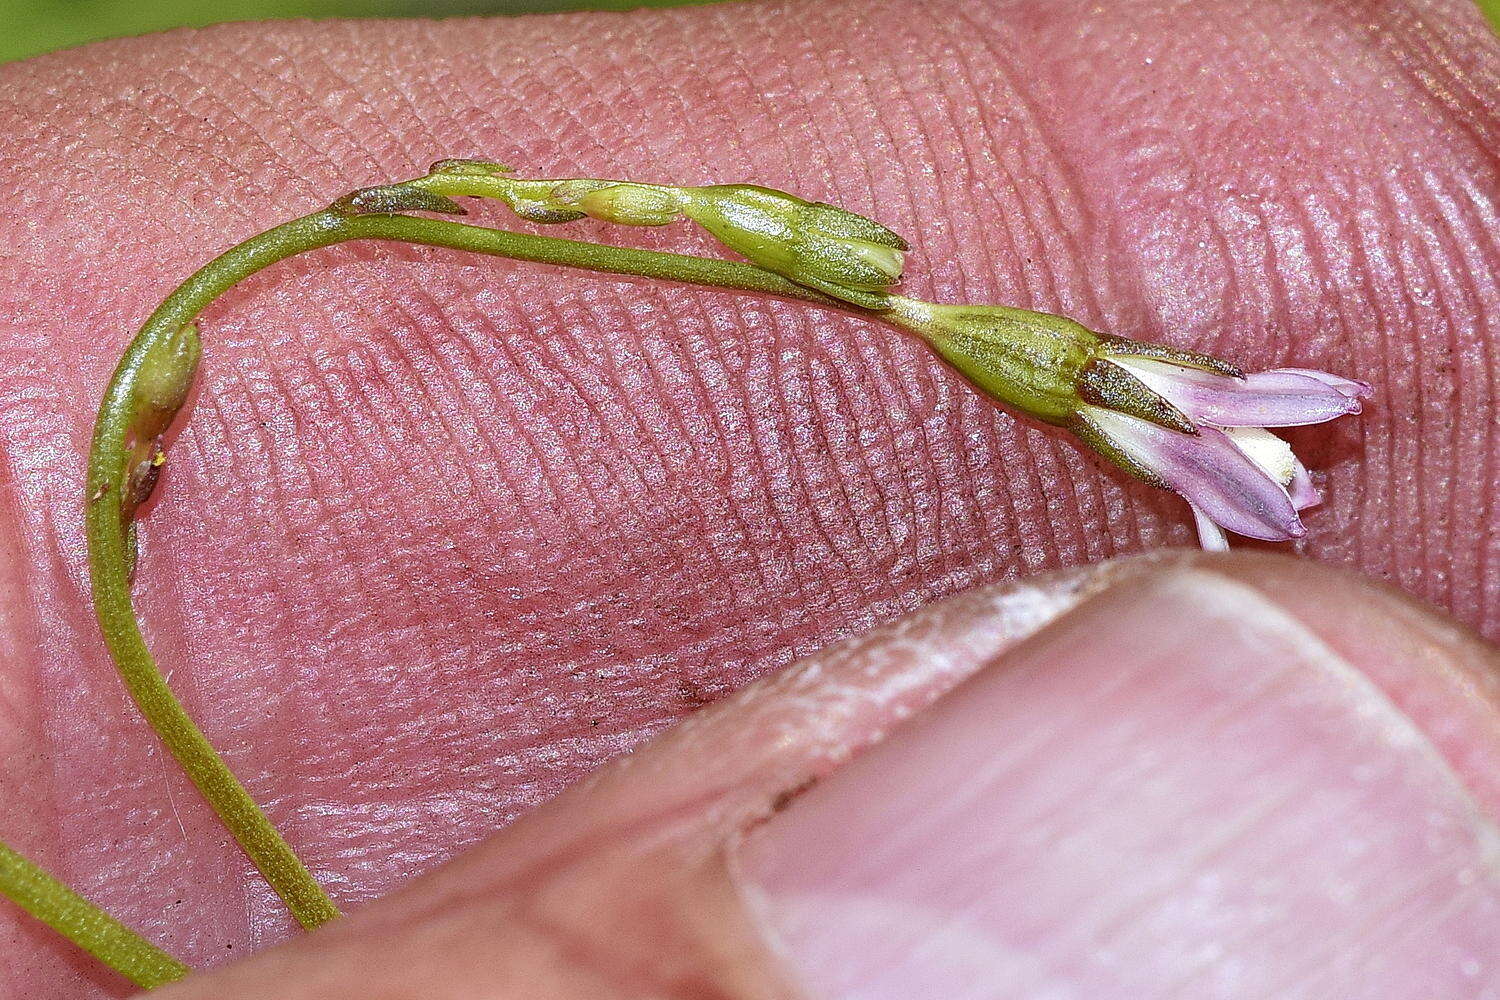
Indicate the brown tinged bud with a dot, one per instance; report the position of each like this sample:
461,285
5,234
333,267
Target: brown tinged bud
168,368
391,199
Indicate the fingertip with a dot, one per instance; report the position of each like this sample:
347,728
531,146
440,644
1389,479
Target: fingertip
1178,777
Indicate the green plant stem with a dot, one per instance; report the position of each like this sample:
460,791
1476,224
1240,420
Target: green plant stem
728,274
110,562
83,923
114,433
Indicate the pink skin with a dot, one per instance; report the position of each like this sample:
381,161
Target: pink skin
444,534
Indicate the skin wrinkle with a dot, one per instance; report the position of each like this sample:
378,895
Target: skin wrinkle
434,307
1029,112
765,585
1469,415
1440,512
1067,219
1434,270
478,390
244,76
425,400
314,386
332,500
1031,484
658,424
1334,245
1418,459
947,219
1409,261
659,300
551,453
294,714
832,489
850,75
661,464
703,395
1397,38
692,53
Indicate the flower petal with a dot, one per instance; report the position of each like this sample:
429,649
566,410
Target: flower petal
1301,489
1210,472
1284,397
1210,536
1354,387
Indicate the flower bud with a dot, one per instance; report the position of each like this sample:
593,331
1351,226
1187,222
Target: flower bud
1030,360
822,246
167,369
627,204
621,202
163,379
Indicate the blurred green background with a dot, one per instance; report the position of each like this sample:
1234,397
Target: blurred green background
28,27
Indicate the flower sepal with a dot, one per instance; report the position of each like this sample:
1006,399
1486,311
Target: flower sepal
1032,361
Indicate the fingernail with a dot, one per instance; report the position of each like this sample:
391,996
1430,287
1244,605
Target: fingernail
1172,791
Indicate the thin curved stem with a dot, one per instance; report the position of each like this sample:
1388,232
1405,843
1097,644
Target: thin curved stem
90,928
114,462
111,558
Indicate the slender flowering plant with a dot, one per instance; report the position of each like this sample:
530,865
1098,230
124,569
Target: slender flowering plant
1173,418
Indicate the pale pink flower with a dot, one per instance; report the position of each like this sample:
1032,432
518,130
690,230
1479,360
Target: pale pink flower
1237,475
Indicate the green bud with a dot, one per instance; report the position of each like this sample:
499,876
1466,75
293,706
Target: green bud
621,202
818,245
1032,361
165,377
632,204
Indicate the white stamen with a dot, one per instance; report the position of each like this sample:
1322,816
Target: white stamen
1266,450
